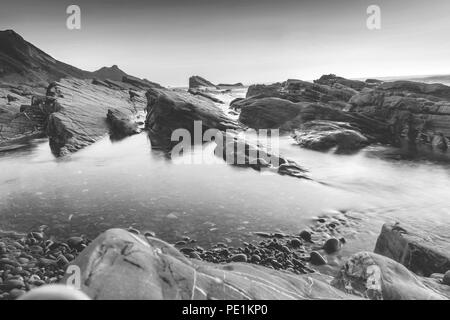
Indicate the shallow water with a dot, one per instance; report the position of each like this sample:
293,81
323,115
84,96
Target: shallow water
126,183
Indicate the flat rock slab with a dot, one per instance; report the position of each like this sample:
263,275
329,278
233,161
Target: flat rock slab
122,265
78,112
413,249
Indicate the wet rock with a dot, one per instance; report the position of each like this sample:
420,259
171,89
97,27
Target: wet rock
413,249
132,267
295,243
77,112
121,124
169,110
16,293
324,135
376,277
332,245
205,95
239,258
133,230
317,259
305,235
12,284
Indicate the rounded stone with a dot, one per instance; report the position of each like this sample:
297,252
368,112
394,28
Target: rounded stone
305,235
295,243
239,258
332,245
317,259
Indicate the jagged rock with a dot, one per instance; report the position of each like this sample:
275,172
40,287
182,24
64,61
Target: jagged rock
142,84
121,265
324,135
199,82
77,113
376,277
267,113
435,89
238,152
121,124
205,95
332,79
168,110
413,249
420,120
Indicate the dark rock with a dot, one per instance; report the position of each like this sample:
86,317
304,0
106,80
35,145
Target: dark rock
332,245
305,235
239,258
75,242
324,135
199,82
295,243
413,249
332,80
169,110
239,84
121,124
317,259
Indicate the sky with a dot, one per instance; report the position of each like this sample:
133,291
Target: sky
249,41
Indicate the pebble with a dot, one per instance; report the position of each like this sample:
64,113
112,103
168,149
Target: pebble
305,235
239,258
317,259
75,242
295,243
194,255
134,231
12,284
149,234
332,245
255,258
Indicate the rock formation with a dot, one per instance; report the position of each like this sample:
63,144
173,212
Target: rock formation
122,265
413,249
199,82
77,113
324,135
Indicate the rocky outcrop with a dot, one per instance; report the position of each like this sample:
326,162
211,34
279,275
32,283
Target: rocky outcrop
376,277
121,265
196,92
418,89
112,73
413,249
285,115
77,112
267,113
168,110
331,80
142,84
199,82
324,135
423,119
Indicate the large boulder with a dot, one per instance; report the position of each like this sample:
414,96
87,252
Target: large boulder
78,112
376,277
331,80
121,265
437,90
413,249
168,110
324,135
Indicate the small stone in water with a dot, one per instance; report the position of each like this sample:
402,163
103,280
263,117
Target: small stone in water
133,230
332,245
149,234
317,259
295,243
305,235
